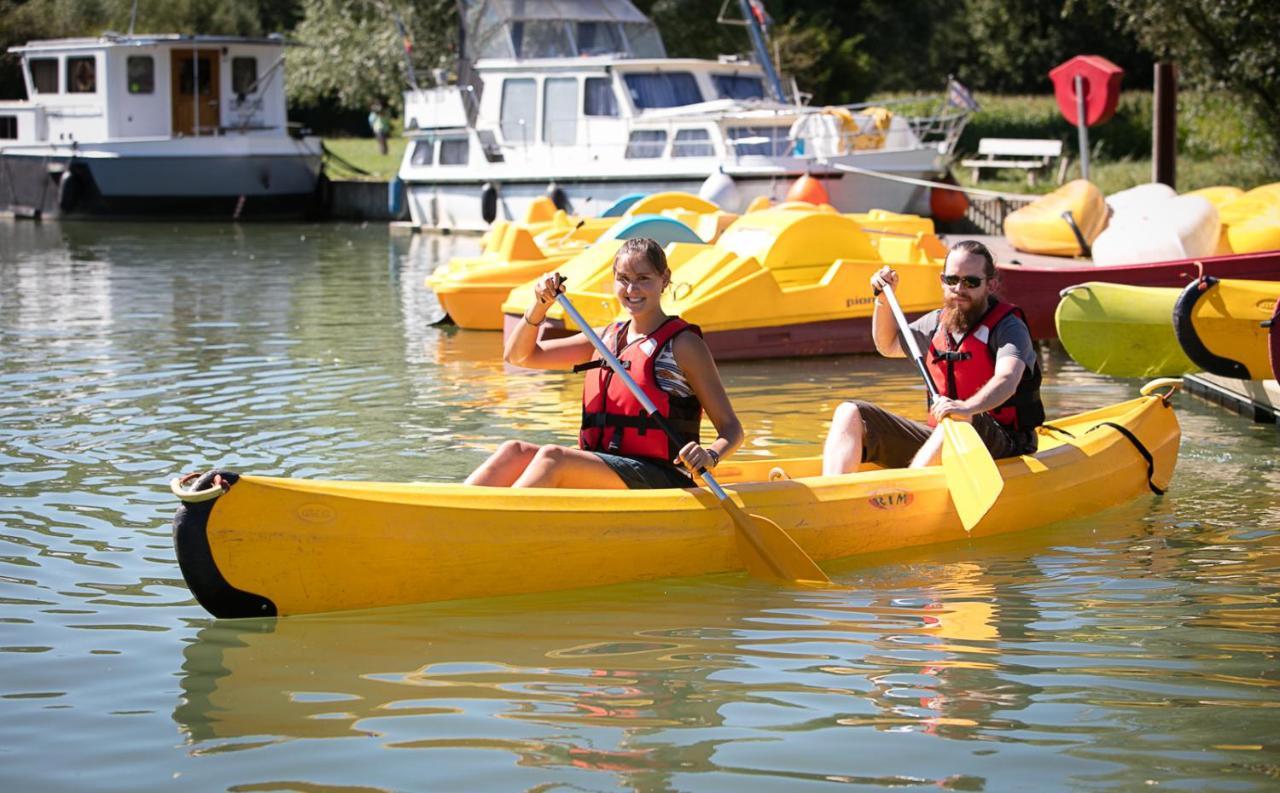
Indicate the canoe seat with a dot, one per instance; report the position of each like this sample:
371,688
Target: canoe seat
1030,154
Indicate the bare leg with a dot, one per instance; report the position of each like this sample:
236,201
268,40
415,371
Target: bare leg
842,453
504,466
931,452
559,466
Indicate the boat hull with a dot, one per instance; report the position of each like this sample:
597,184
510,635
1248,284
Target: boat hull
1037,287
280,546
128,182
1222,325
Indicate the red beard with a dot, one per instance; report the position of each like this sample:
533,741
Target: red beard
957,318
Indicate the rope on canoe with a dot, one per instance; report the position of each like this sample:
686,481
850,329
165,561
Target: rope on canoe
178,487
1137,444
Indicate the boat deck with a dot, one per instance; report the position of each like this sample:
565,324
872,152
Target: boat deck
1257,399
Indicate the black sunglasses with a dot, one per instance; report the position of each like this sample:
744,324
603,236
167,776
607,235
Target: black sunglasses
970,281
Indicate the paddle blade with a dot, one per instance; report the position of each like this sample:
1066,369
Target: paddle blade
972,475
769,552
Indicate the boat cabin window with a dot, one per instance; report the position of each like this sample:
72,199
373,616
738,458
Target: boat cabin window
738,86
82,75
454,151
244,76
541,39
519,104
644,39
645,144
662,89
692,143
598,97
422,152
44,75
141,71
599,38
8,127
764,141
560,111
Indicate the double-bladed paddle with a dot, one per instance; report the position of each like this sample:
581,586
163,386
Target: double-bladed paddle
767,551
972,475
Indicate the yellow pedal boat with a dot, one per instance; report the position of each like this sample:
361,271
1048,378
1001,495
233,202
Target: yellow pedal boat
779,283
267,547
471,289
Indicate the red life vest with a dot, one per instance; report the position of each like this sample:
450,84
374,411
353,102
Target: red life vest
960,369
614,421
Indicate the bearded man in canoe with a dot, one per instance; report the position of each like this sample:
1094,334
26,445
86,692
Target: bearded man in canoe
619,445
978,351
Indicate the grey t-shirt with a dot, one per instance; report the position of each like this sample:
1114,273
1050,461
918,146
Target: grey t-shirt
1012,337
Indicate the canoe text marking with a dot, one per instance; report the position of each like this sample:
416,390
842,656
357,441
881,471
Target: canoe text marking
315,513
893,498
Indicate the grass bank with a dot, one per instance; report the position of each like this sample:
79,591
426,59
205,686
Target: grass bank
363,153
1218,141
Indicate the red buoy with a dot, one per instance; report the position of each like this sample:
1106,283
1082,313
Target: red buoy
809,190
945,205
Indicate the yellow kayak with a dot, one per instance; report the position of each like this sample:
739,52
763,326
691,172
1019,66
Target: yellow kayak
779,282
267,546
471,288
1251,222
1122,330
1223,325
1040,227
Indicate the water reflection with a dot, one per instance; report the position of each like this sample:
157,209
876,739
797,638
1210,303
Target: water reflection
1137,644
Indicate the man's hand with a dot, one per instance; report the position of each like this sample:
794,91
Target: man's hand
945,407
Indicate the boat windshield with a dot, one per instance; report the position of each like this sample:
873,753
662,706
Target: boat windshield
662,89
558,29
738,86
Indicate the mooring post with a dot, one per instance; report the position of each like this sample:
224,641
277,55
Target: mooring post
1164,128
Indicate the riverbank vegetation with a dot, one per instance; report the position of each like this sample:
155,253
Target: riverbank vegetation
353,53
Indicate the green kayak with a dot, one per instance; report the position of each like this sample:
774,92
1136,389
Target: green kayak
1121,330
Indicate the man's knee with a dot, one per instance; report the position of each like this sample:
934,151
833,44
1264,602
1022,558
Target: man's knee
550,454
849,417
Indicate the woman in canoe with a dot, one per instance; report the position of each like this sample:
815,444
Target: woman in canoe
619,446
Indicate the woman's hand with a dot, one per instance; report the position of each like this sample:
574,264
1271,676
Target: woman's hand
544,292
695,457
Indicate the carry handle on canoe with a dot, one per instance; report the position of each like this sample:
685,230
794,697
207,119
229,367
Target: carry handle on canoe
767,551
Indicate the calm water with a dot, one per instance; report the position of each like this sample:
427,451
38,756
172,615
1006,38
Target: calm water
1123,651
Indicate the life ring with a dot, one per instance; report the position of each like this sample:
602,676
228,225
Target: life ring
489,202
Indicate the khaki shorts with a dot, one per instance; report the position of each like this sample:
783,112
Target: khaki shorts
892,441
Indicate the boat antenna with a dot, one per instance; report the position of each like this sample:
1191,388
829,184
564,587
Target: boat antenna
133,16
757,21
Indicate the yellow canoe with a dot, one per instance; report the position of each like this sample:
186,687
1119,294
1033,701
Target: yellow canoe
471,289
1223,325
1040,227
779,282
271,546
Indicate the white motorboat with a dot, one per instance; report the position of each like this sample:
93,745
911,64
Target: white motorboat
154,125
576,99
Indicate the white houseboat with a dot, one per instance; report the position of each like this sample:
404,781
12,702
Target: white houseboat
154,125
577,99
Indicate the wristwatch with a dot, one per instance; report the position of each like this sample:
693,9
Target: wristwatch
715,457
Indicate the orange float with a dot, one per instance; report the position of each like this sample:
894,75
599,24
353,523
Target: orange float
809,190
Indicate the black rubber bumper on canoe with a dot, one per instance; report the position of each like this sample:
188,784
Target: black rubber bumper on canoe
195,558
1185,330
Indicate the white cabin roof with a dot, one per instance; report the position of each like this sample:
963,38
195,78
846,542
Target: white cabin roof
109,40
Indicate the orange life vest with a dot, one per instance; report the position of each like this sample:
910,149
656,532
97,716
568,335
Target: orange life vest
959,369
614,421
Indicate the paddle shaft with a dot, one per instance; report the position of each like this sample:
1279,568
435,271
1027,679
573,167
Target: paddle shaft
633,386
905,329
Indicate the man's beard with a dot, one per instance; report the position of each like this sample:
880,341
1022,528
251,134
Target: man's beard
958,319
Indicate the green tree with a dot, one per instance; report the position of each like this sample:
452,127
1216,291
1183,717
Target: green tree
353,55
1217,44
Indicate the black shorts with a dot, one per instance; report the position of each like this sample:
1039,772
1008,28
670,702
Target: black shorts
892,441
640,474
